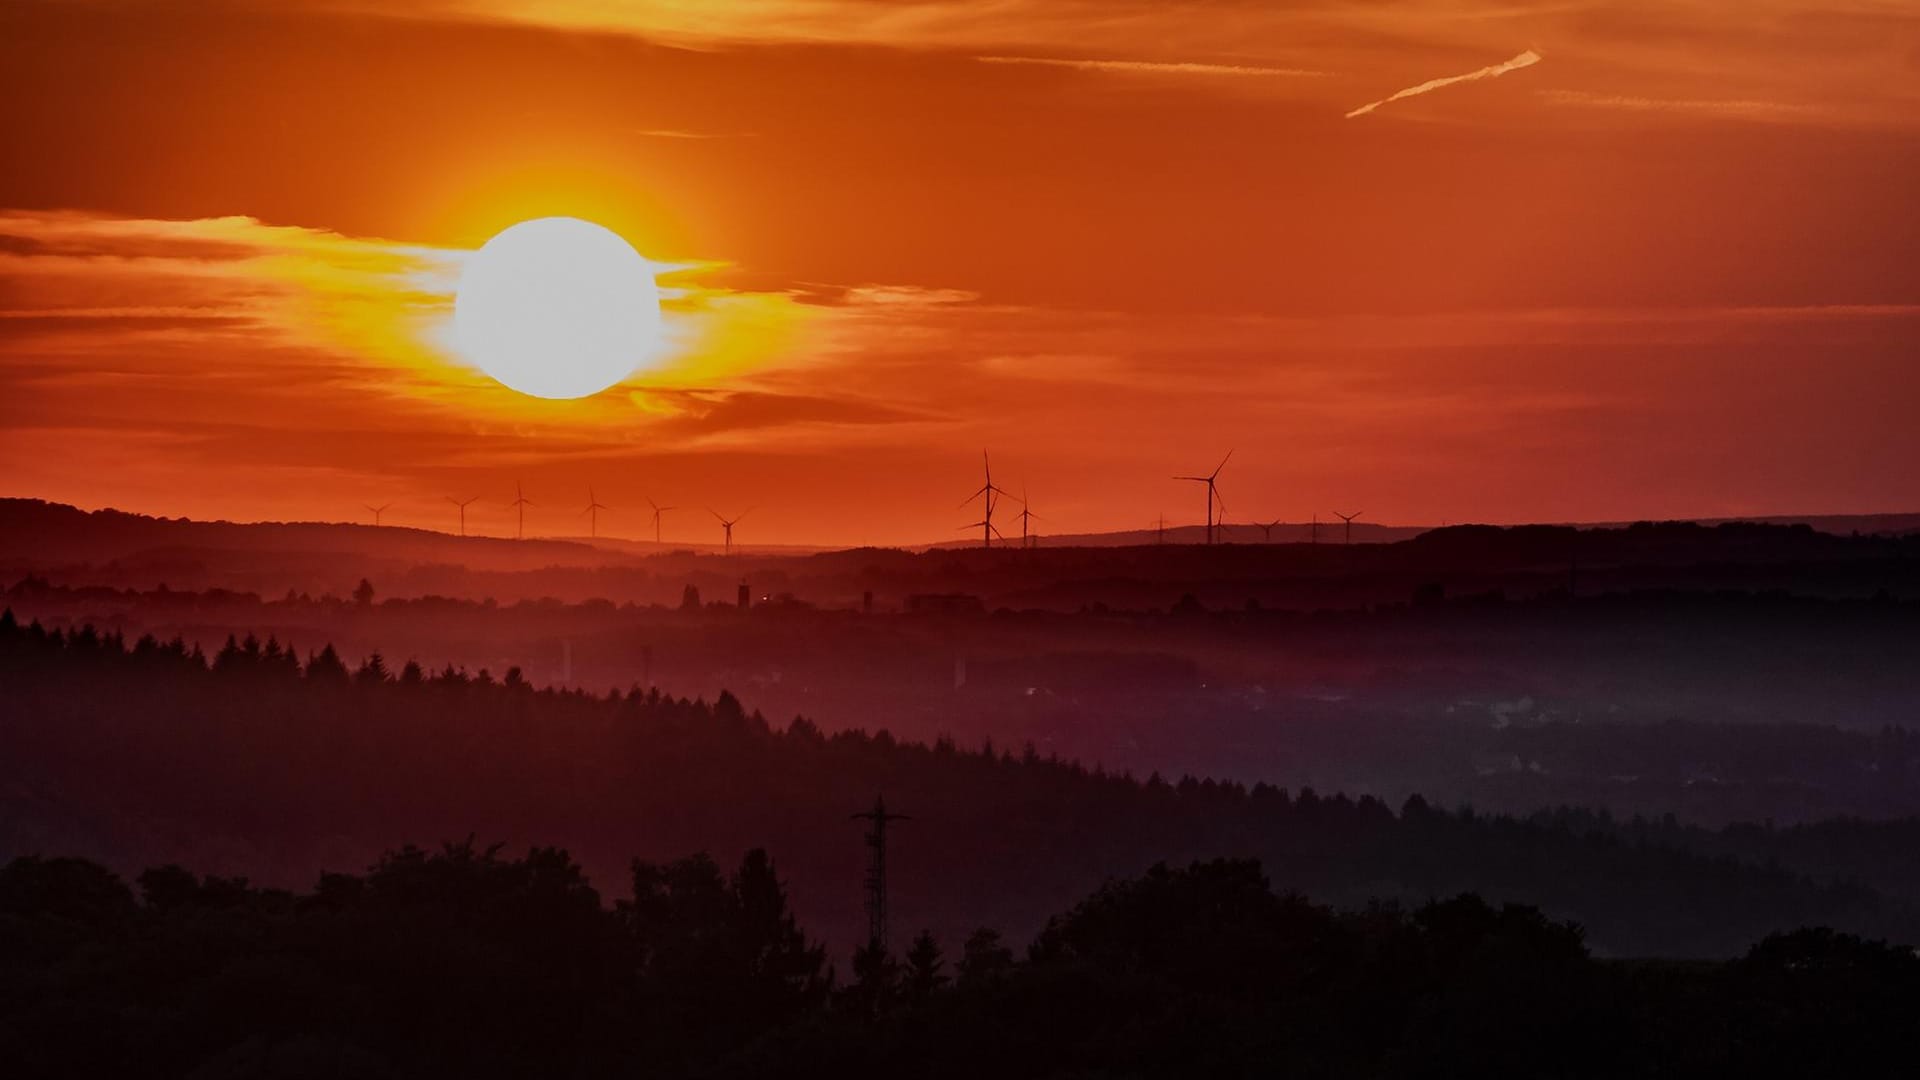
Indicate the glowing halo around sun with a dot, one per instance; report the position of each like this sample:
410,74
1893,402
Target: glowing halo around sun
557,308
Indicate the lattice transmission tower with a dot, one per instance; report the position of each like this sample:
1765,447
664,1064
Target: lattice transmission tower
876,879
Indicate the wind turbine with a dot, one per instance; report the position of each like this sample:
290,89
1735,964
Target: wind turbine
1026,514
1314,536
1348,518
520,502
594,506
1213,491
1160,529
1266,529
657,511
377,511
992,493
727,526
986,526
463,511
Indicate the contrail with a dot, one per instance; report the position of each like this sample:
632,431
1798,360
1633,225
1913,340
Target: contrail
1525,59
1149,67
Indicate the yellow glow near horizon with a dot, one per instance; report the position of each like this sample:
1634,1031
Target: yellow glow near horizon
557,308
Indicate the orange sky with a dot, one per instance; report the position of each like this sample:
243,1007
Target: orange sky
1653,259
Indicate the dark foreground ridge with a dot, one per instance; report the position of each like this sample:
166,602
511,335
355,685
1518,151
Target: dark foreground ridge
464,963
258,763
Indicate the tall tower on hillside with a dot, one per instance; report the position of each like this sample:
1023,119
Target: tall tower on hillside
876,880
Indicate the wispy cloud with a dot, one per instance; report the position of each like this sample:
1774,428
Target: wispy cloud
1524,60
364,301
1731,108
1152,67
675,133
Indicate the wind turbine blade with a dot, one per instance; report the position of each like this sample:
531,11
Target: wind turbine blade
1222,465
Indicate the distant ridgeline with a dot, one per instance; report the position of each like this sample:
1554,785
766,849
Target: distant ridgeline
261,762
1858,556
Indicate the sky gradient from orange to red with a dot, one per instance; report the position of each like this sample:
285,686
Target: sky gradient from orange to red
1648,258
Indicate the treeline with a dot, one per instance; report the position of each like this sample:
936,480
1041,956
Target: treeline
1882,855
461,962
264,761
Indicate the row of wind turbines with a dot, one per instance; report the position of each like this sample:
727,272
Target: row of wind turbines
591,512
1217,518
989,494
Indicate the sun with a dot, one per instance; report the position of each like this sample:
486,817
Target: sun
557,308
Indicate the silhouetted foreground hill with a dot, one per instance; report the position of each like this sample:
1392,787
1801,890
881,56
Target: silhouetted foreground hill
259,764
463,963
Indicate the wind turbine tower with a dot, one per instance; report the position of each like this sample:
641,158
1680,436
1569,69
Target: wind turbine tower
462,504
1348,518
594,506
520,503
1213,491
988,526
991,493
657,511
1027,539
726,527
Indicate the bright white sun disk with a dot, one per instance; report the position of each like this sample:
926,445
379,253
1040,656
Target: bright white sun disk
557,308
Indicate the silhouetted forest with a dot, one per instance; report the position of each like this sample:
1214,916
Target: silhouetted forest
273,763
465,962
1716,707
